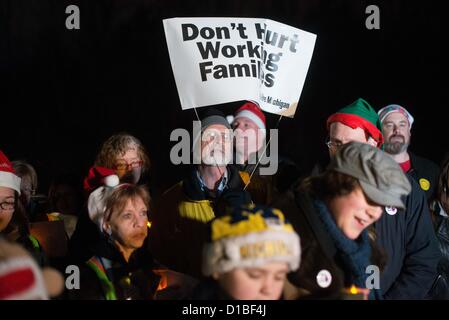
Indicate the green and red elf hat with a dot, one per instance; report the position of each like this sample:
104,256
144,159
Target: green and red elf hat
359,114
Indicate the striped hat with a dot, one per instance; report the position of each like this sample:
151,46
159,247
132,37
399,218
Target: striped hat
385,111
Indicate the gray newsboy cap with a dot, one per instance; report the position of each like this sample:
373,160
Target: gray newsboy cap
380,177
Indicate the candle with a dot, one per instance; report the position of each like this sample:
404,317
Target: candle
355,293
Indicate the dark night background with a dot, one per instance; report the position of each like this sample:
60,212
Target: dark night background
65,91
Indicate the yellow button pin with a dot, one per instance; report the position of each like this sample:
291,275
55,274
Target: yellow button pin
424,183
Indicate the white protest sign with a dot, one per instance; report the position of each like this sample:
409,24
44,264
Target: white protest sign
220,60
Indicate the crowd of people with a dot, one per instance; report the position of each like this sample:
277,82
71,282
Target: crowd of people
371,223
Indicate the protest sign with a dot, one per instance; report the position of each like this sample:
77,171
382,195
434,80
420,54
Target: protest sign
220,60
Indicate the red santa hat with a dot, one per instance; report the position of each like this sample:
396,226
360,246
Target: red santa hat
251,111
99,176
8,177
102,181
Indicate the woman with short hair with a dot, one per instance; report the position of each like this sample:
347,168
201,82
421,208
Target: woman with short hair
121,267
126,155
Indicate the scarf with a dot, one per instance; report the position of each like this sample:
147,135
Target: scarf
353,255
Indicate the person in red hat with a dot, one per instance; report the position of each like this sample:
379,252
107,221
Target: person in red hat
13,220
118,256
9,189
120,266
249,125
123,155
86,231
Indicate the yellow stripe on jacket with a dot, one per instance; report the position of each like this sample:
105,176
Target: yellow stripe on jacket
199,210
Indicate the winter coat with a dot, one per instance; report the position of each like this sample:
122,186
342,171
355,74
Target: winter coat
107,276
86,233
440,289
179,224
426,173
260,187
209,289
409,242
264,189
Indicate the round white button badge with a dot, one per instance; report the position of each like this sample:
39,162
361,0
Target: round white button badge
324,278
391,210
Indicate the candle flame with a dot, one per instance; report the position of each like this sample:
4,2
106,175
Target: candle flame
163,282
353,290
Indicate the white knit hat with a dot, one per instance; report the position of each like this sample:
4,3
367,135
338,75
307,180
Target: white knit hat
385,111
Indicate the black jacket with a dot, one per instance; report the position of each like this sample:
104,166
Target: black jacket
410,244
264,189
177,239
422,168
440,289
441,223
209,289
85,234
133,280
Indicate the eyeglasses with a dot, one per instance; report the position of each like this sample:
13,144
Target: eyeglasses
333,145
7,205
211,135
123,166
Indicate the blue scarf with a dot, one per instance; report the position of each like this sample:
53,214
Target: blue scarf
354,255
